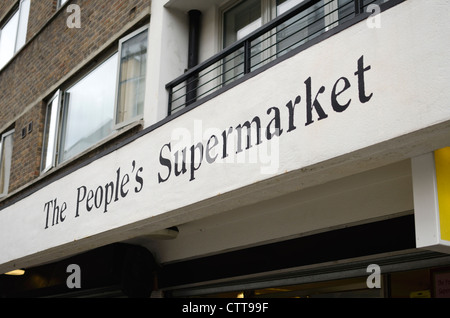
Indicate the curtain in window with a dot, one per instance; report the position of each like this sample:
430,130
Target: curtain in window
131,90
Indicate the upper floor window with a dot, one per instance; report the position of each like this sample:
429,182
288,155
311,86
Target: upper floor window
131,78
6,144
50,133
91,109
248,15
13,32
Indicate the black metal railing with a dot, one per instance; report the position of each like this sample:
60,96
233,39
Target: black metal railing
302,23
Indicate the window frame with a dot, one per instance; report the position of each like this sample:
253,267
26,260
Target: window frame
65,103
61,3
6,177
269,41
58,97
64,99
17,10
118,125
269,12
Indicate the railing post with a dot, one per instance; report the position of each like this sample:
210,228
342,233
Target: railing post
358,7
247,57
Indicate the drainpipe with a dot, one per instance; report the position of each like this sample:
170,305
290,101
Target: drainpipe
194,40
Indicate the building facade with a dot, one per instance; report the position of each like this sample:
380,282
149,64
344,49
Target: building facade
224,148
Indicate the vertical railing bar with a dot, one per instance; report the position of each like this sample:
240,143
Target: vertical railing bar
170,100
247,57
358,7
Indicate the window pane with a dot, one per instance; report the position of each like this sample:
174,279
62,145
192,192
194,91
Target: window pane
89,109
301,28
377,2
242,20
5,162
8,39
23,23
2,168
50,134
131,90
61,3
285,5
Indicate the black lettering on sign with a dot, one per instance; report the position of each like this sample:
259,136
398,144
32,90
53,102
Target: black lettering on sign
98,198
256,131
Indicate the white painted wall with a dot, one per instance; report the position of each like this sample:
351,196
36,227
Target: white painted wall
167,57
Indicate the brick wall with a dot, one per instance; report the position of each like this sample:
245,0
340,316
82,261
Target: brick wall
27,147
5,5
50,56
40,13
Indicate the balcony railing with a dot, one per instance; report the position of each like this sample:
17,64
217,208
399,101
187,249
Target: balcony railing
288,31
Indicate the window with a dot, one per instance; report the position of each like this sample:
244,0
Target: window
248,15
50,133
131,79
6,144
13,33
296,31
250,40
103,100
239,22
89,110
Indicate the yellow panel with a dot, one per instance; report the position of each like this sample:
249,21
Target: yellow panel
442,160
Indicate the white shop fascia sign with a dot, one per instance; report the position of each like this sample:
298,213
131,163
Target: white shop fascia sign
142,178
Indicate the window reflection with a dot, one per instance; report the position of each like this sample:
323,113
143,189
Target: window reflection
131,90
90,109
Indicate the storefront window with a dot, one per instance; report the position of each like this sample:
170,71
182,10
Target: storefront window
132,73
